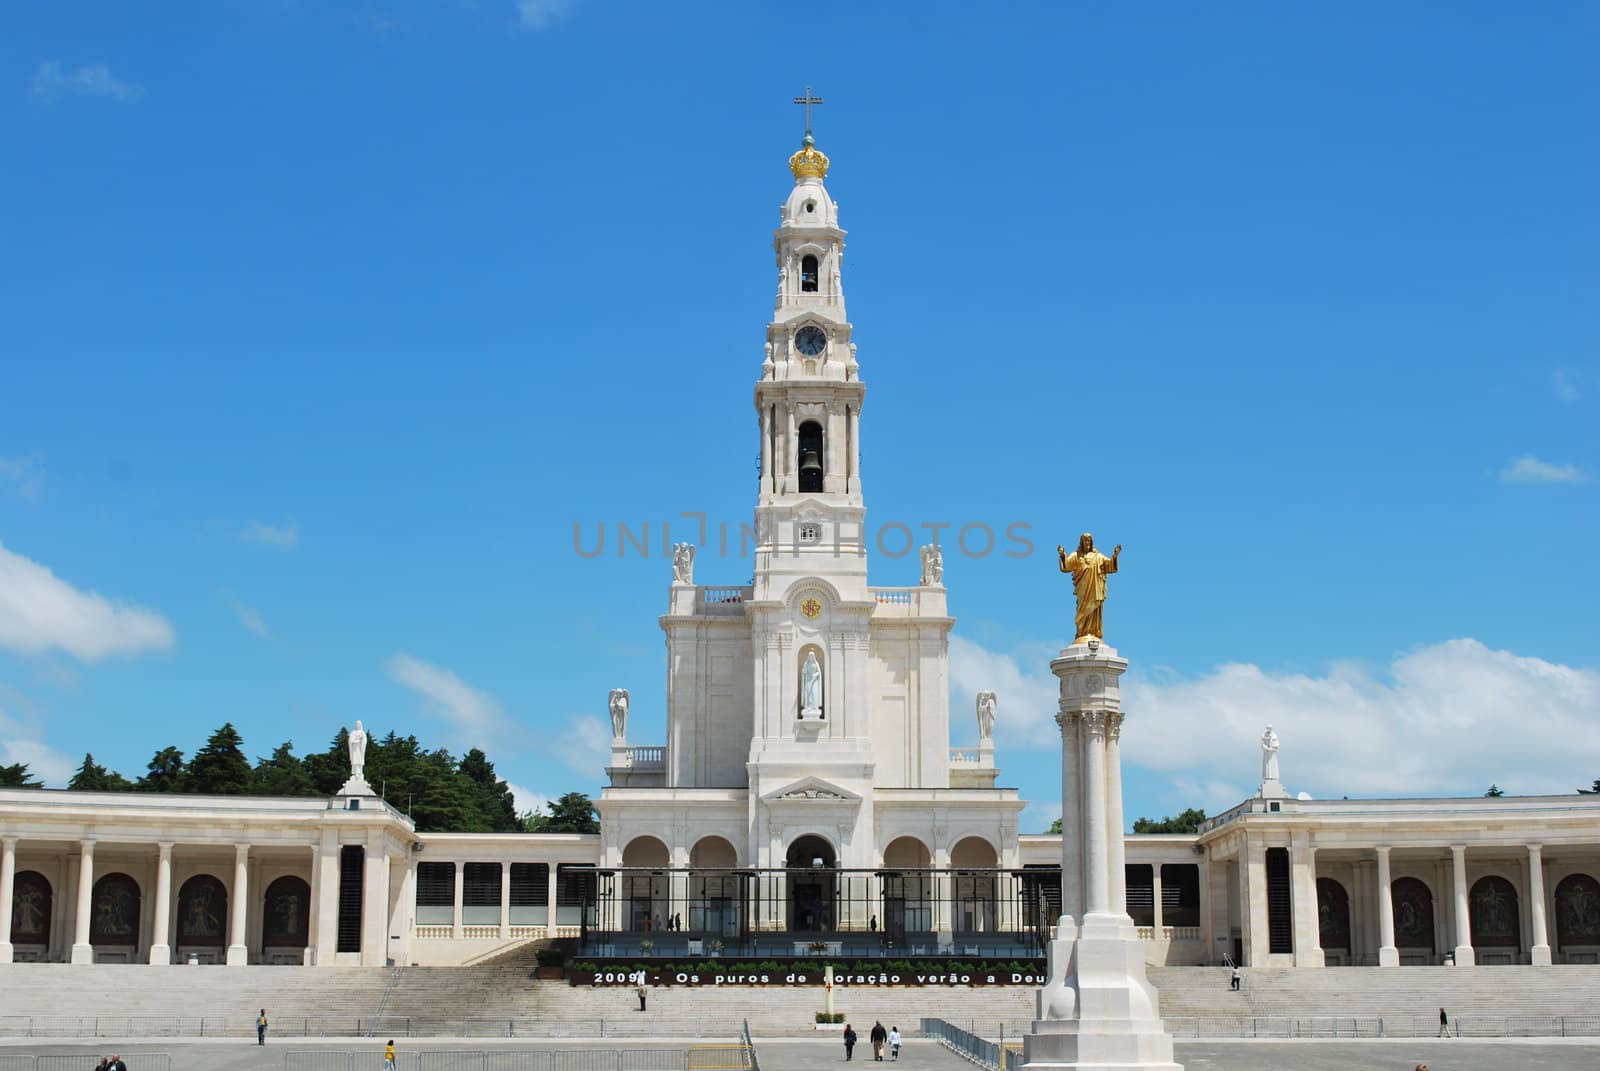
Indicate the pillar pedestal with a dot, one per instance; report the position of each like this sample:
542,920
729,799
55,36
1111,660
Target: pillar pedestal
1098,1010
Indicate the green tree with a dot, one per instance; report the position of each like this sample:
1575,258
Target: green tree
17,776
1495,792
92,777
1187,822
330,769
495,801
167,773
572,813
220,768
283,774
1055,828
1593,790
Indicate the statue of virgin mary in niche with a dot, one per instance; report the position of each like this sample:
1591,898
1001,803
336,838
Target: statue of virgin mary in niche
811,688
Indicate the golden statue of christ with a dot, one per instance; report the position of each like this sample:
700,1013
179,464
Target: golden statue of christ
1089,569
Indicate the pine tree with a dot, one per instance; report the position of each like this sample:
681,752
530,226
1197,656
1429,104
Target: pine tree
167,773
283,774
572,813
220,768
17,775
1495,792
92,777
499,807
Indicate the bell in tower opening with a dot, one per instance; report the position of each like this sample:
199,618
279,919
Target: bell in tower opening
808,273
810,456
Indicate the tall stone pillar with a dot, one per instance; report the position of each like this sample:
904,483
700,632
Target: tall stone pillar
1303,897
8,880
402,919
456,924
326,899
550,900
1117,860
1258,935
238,908
161,918
1388,954
1458,881
375,906
82,950
944,892
505,900
1539,952
1158,922
1098,1010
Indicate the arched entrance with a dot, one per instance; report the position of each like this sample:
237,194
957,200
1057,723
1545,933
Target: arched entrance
813,885
646,897
974,861
907,890
1578,919
31,901
1333,921
286,914
714,888
1413,921
114,917
1496,925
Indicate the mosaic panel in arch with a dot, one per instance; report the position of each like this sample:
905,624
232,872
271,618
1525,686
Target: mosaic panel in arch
1578,910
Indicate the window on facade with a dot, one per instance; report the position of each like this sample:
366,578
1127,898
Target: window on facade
436,894
1180,894
530,894
811,471
575,893
1141,893
480,894
808,274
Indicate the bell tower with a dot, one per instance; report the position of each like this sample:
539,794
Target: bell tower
809,510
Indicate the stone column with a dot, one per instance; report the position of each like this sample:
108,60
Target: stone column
402,918
8,879
238,907
1303,901
855,449
1458,881
1098,1009
505,900
161,920
82,950
1116,857
766,449
325,900
1258,944
460,894
1097,830
375,906
1388,954
1157,923
944,891
550,900
1071,815
1539,952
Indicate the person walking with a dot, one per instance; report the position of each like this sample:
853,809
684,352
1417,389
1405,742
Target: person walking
849,1041
116,1064
894,1043
878,1036
388,1056
261,1027
1235,979
1444,1024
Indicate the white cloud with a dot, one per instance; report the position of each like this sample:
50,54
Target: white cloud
586,745
1450,718
51,83
21,741
40,611
251,620
1529,469
476,716
23,474
539,14
278,537
1038,816
528,801
1025,702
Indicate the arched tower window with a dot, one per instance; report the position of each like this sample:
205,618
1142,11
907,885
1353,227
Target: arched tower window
811,471
808,274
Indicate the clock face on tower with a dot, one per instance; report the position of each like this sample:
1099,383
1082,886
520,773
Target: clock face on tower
810,340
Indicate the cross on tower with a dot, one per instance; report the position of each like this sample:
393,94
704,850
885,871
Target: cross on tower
808,100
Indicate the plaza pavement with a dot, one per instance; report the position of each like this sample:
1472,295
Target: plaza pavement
789,1054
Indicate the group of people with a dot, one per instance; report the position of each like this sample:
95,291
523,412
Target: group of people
881,1039
673,922
113,1064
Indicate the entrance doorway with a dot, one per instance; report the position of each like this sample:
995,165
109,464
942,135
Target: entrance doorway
813,885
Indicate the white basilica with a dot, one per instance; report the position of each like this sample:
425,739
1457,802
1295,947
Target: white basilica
808,798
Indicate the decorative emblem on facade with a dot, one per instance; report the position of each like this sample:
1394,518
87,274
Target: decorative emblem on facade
1092,683
811,794
811,608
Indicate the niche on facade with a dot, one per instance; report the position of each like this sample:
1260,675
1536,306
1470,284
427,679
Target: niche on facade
812,698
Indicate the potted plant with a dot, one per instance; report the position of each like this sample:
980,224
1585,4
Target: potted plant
714,947
551,963
645,946
818,946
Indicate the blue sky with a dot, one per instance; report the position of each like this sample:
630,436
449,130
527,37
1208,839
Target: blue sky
324,324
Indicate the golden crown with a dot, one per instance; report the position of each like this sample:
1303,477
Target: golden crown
809,162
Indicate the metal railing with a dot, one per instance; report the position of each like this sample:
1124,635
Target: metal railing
662,1059
145,1061
1317,1026
965,1043
750,1047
